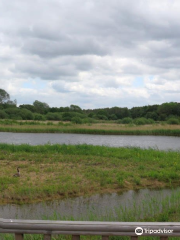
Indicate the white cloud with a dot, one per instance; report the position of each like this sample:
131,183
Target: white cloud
90,52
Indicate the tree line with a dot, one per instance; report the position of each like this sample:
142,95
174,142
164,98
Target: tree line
42,111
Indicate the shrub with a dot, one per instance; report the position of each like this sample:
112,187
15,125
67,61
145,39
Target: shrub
76,120
127,120
54,116
141,121
40,117
88,120
3,114
26,114
173,121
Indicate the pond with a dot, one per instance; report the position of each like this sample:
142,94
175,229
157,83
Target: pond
144,202
157,142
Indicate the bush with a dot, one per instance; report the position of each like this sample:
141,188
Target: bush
26,114
113,117
150,121
67,116
76,120
127,120
88,120
54,116
141,121
119,121
173,121
101,117
3,114
39,117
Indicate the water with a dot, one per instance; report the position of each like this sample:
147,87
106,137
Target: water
145,201
157,142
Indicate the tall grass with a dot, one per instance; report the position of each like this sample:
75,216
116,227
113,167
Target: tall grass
104,129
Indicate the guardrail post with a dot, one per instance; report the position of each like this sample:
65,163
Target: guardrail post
75,237
163,238
47,236
18,236
105,237
134,238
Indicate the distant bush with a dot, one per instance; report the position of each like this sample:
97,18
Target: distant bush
119,121
88,120
39,117
54,116
113,117
141,121
127,120
173,121
150,121
67,116
3,114
101,117
26,114
76,120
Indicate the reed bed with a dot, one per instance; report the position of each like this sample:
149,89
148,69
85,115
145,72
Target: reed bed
154,132
108,128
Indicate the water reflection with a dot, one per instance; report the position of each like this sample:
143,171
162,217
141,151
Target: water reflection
81,208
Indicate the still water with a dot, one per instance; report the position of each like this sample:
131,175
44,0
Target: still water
145,202
157,142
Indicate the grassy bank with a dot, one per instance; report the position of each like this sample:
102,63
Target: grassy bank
60,171
96,128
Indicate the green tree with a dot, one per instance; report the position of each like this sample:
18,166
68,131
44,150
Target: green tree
41,107
75,108
4,96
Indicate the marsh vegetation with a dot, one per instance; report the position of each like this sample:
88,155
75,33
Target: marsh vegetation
59,171
106,128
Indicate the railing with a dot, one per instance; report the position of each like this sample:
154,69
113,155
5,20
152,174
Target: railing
77,228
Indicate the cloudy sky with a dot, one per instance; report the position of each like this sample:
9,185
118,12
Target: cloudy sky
91,53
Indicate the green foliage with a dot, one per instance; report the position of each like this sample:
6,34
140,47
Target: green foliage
75,108
3,114
140,121
76,120
40,117
54,116
113,117
127,120
4,96
41,107
101,117
67,116
28,107
172,108
173,121
26,114
143,121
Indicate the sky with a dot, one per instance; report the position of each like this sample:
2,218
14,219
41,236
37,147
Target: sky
90,53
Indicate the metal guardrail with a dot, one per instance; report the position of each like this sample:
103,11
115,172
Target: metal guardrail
77,228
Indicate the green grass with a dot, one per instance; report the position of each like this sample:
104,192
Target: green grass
59,171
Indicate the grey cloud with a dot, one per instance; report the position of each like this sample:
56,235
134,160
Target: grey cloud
44,70
59,40
72,46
